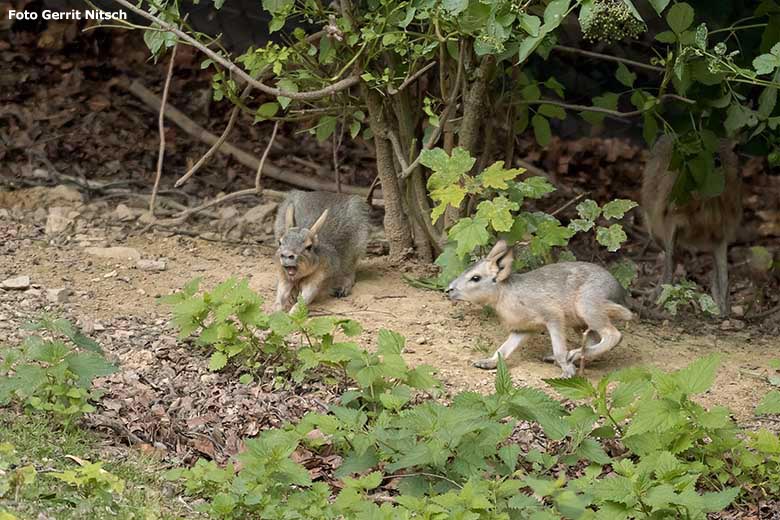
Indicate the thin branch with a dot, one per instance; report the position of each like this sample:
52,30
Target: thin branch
399,153
259,173
238,71
569,203
607,111
411,79
607,57
222,139
161,126
445,115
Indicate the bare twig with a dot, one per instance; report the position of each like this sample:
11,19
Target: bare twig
374,184
259,173
566,205
269,170
161,125
601,110
222,138
607,57
333,88
399,153
411,79
445,115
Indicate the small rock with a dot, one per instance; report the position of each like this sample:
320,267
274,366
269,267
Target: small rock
738,311
4,214
17,283
258,214
228,213
421,340
151,265
65,194
732,324
116,253
124,214
110,274
40,215
147,218
60,295
59,220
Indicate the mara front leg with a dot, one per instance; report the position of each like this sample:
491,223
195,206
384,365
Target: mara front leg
557,333
511,344
310,289
284,289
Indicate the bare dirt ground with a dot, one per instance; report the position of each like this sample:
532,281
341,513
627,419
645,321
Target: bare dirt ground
446,336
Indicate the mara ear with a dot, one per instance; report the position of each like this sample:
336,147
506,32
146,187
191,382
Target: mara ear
289,217
504,264
315,228
498,250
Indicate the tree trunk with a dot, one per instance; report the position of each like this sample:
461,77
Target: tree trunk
396,224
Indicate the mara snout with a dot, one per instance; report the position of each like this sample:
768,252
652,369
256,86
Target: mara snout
555,297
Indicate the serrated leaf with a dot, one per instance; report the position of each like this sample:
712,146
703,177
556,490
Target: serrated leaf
552,111
588,209
770,404
450,263
625,272
625,76
617,208
217,361
736,118
451,195
680,17
496,176
498,211
716,502
446,169
469,233
390,342
611,237
573,388
504,384
88,366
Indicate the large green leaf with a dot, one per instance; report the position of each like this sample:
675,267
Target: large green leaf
680,17
498,211
495,175
88,366
469,233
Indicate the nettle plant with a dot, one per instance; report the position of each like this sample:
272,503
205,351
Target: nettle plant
53,371
634,445
494,201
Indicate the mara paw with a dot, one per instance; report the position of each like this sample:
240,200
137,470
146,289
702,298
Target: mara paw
486,364
568,370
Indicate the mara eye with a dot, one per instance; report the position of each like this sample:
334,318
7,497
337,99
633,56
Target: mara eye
476,278
308,248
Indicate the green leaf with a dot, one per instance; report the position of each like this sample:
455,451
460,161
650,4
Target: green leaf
617,208
552,111
625,76
498,211
88,366
217,361
446,169
533,187
611,237
326,127
624,272
451,195
469,233
770,404
716,502
698,377
266,111
736,118
680,17
573,388
553,14
659,5
390,342
529,23
608,100
455,7
285,85
765,63
588,209
504,383
701,36
615,489
450,263
542,131
666,37
495,176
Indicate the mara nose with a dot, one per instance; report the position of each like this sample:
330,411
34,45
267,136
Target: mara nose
448,290
290,256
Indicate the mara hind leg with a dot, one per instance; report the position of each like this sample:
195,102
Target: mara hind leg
601,336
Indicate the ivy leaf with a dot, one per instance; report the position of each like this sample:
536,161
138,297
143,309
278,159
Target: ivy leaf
680,17
573,388
581,224
617,208
625,76
611,237
625,272
446,169
326,127
770,404
469,233
495,176
498,211
451,195
549,233
588,209
542,131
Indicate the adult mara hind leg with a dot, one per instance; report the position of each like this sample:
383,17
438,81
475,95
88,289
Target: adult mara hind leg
596,317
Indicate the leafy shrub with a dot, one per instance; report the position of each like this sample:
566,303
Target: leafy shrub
53,375
688,294
635,446
498,199
91,480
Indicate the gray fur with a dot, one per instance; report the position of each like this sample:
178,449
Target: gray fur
310,263
555,297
